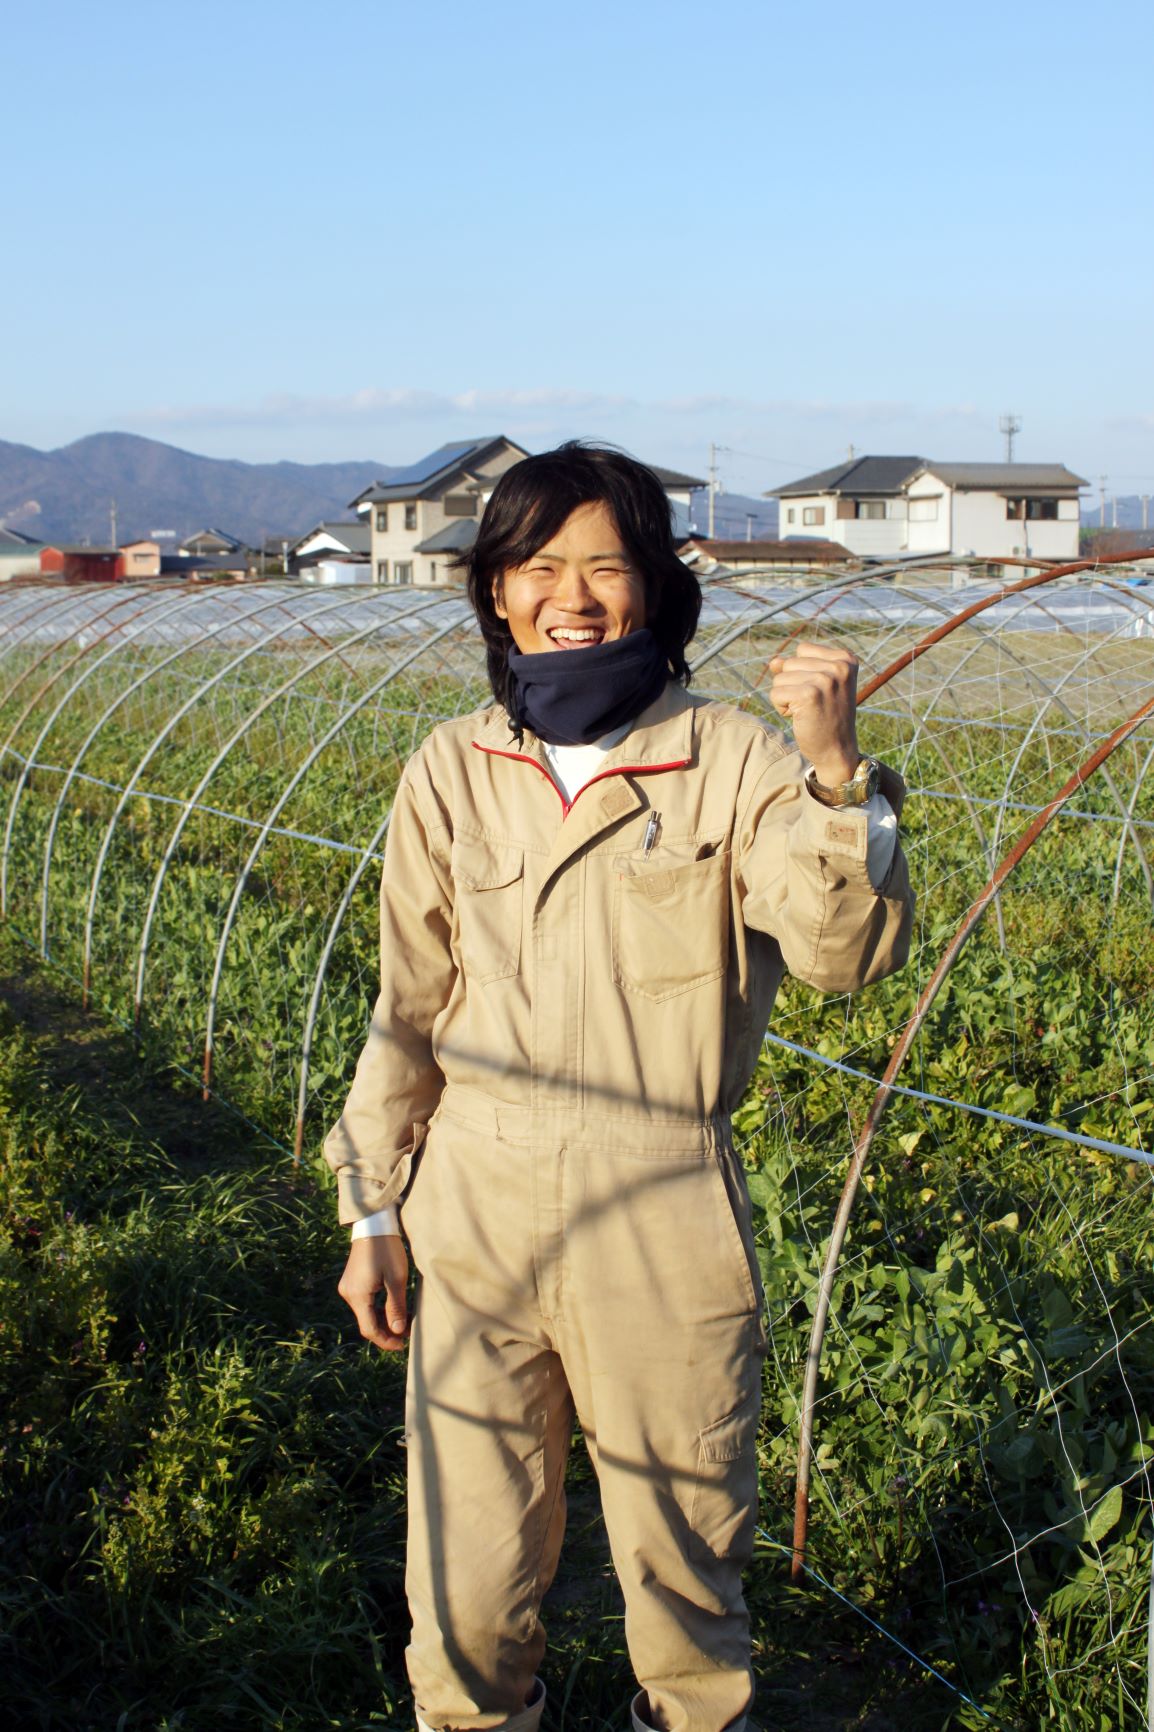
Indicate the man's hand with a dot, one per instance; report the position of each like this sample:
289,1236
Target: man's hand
378,1265
816,688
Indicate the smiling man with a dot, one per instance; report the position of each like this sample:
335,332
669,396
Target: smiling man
591,893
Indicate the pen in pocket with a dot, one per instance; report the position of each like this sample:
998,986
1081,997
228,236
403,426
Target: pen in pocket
650,835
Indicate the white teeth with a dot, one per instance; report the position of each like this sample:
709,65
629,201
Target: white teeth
574,636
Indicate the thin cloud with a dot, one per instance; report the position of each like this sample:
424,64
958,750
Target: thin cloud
377,403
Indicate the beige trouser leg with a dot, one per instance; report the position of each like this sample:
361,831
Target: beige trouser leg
605,1264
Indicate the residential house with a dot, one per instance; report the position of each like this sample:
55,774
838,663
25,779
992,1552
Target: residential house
334,553
213,543
425,517
139,559
422,517
680,489
994,510
910,507
80,564
859,503
19,555
716,558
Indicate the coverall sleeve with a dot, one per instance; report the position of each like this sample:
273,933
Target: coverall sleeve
803,878
398,1083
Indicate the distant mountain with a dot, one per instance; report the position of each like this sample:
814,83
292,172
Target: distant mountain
1129,512
66,495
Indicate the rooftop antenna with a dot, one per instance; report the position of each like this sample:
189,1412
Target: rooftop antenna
1010,426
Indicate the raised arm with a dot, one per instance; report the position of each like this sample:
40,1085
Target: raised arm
805,867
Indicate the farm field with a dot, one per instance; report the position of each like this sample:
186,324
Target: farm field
202,1466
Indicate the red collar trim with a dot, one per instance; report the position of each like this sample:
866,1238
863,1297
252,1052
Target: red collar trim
601,776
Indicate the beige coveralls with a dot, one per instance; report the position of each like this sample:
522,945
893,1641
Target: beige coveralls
565,1024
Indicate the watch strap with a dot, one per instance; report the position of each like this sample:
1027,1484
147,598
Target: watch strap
856,792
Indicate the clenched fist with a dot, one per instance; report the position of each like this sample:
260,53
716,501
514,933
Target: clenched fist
815,689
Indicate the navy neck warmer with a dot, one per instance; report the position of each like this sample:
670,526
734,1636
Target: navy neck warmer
571,697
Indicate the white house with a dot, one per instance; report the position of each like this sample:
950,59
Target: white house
906,507
859,503
423,516
679,489
994,510
19,555
333,553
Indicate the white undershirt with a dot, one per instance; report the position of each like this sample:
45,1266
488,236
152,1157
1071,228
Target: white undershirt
572,767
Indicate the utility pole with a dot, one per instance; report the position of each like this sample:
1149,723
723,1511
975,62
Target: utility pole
1145,510
852,453
112,520
1010,425
1114,504
749,526
712,486
1102,480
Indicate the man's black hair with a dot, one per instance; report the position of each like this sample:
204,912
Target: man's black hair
528,506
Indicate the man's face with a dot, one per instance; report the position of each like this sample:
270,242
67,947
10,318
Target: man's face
580,589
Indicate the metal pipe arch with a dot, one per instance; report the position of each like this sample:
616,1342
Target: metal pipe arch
78,656
98,727
193,800
368,854
294,782
126,642
278,601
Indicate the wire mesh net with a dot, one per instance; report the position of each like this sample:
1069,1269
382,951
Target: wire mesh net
196,789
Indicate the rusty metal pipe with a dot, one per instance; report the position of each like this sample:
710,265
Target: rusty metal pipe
882,1098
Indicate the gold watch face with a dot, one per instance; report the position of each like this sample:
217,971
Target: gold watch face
854,793
866,779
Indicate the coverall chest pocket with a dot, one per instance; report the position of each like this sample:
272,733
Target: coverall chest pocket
488,881
671,926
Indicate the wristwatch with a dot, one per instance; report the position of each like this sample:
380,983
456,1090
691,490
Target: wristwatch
863,786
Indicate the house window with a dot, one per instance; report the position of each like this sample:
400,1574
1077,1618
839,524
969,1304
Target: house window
432,571
382,571
1015,509
924,510
813,514
382,518
403,569
410,517
1045,510
873,509
790,515
460,505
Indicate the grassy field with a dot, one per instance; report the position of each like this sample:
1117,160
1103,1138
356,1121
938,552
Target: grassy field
202,1472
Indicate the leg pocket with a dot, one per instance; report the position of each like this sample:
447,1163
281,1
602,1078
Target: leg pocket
724,1509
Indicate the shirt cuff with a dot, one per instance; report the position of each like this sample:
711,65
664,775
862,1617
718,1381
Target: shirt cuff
881,838
867,833
377,1225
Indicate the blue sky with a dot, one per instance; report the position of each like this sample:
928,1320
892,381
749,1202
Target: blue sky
357,229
